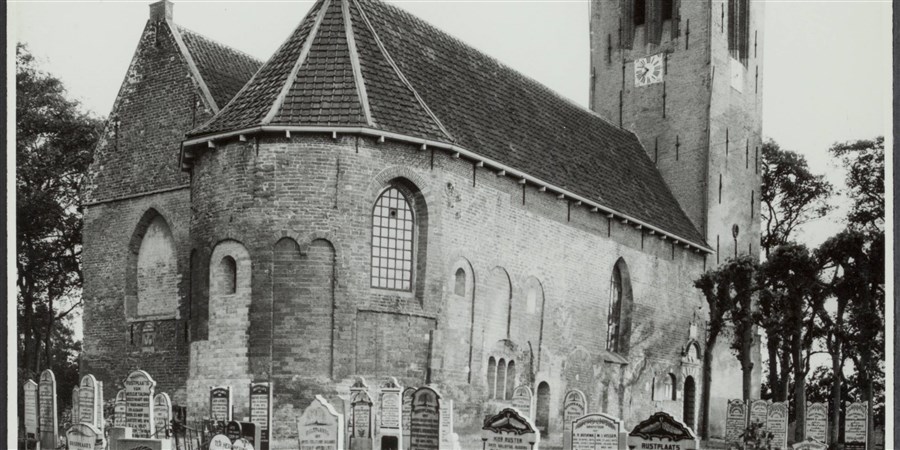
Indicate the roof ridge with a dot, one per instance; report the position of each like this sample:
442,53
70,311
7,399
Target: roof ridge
226,46
354,63
400,74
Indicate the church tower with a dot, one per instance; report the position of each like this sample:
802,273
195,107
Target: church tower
686,78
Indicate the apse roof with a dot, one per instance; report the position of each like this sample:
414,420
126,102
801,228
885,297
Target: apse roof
365,64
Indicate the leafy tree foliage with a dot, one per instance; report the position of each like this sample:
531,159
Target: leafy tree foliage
864,160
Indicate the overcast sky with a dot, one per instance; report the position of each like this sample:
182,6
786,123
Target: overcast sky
827,64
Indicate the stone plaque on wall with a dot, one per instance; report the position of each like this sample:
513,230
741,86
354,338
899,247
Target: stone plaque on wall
139,387
30,392
320,427
425,419
508,430
84,436
597,432
261,411
119,411
87,400
735,420
220,403
817,422
662,431
405,411
47,413
777,424
855,426
574,406
521,400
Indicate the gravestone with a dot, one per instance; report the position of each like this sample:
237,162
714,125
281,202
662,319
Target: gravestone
76,404
261,411
425,419
120,409
390,434
233,430
597,432
817,422
521,400
220,403
809,445
446,432
406,410
220,442
241,444
101,419
162,414
116,434
735,421
508,430
84,436
87,400
362,436
777,424
662,431
47,414
145,444
139,388
30,392
574,406
759,412
250,432
855,426
320,427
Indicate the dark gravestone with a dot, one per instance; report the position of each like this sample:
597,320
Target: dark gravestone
509,430
425,420
47,410
220,403
261,411
30,392
251,433
405,411
233,430
662,431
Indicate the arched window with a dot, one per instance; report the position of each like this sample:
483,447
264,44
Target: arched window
690,399
491,376
670,391
459,285
510,380
228,272
640,12
393,226
542,418
615,311
501,379
153,271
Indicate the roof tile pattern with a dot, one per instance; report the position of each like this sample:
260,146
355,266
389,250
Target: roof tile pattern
324,91
224,70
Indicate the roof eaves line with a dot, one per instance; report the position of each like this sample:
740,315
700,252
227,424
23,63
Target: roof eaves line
387,56
453,148
304,52
354,62
192,65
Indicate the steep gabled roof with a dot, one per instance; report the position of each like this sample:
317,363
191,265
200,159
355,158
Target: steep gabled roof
224,69
365,64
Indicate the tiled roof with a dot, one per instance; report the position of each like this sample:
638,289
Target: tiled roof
393,72
224,70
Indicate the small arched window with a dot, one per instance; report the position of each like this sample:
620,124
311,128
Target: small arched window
542,418
501,379
671,392
615,311
510,379
491,376
393,226
228,271
459,284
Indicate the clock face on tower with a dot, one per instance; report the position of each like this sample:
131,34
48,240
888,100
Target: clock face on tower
648,70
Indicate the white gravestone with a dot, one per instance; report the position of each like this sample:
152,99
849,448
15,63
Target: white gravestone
509,430
361,434
162,414
406,410
220,403
855,426
735,421
241,444
446,425
120,409
574,406
84,436
777,424
759,412
597,432
662,431
521,400
809,445
220,442
30,391
261,410
87,400
139,387
817,422
425,419
47,414
101,418
320,427
390,413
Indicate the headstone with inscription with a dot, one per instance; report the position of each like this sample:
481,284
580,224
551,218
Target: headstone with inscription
509,430
242,444
855,426
446,424
139,387
362,436
101,415
405,411
662,431
817,422
759,412
320,427
597,432
47,414
425,419
261,411
120,409
233,430
521,400
220,442
735,422
145,444
84,436
162,414
574,406
809,445
30,392
390,434
250,432
87,400
220,403
777,424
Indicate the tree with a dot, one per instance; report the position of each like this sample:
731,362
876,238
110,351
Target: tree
54,146
864,160
728,292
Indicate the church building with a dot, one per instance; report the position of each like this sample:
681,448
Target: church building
379,199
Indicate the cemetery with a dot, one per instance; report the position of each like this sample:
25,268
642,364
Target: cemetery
396,417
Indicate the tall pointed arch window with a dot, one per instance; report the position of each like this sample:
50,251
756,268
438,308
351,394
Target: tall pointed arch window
614,322
393,228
